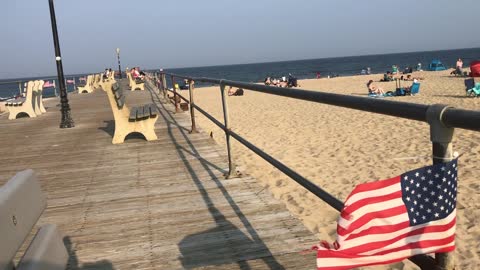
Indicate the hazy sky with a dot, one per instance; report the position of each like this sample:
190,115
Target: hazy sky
185,33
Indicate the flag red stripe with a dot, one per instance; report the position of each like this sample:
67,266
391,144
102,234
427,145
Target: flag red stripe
374,185
358,204
419,231
421,244
379,230
382,214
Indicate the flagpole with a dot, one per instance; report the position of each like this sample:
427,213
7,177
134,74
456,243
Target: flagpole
441,138
67,121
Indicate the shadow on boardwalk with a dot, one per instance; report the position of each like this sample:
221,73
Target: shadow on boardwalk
73,260
230,242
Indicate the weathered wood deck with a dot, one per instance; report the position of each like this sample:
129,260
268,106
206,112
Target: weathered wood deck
148,205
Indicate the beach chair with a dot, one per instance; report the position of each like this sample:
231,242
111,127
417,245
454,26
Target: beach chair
414,89
22,105
474,91
469,84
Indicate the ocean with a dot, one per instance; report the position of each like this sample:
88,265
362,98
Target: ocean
302,69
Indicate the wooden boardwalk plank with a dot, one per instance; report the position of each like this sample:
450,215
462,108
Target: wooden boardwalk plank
149,205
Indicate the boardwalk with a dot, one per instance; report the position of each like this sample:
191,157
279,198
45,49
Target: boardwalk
149,205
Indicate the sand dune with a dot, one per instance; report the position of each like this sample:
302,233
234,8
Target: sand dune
337,148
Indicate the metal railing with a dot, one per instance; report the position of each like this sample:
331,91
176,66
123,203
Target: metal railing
441,118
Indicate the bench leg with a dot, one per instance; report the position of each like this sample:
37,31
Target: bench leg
150,135
15,111
119,137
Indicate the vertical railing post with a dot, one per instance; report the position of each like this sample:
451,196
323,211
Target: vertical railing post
175,97
441,137
191,87
164,86
231,167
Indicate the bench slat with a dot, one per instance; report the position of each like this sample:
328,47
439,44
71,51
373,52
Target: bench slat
141,113
18,215
121,102
153,110
133,114
115,87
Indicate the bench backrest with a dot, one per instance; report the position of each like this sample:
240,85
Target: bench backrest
21,204
116,98
29,93
118,94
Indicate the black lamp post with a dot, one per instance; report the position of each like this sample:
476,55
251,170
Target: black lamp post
67,121
119,68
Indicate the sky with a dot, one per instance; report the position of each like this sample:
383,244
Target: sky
189,33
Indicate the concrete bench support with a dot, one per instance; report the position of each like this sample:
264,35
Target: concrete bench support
18,216
22,105
139,119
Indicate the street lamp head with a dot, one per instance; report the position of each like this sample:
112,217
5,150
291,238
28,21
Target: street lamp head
118,50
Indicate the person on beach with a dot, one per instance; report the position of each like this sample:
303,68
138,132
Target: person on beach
106,73
238,92
268,81
459,65
373,89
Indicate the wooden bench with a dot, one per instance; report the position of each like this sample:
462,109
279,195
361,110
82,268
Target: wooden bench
134,84
38,97
139,119
22,105
96,81
21,204
87,87
111,77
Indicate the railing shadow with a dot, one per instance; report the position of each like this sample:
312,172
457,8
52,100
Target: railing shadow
198,250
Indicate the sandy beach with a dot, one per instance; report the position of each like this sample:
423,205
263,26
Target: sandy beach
338,148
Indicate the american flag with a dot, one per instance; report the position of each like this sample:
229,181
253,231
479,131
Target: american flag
48,84
390,220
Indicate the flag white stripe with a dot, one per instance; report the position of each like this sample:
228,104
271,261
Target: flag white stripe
338,262
374,193
379,222
414,239
390,235
367,209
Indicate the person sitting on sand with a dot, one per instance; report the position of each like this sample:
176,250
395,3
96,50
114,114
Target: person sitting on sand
408,88
238,92
373,89
283,84
268,81
410,78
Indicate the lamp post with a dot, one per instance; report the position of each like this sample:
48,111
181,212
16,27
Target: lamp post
67,121
119,68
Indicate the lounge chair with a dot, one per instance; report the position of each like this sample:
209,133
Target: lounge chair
474,91
414,89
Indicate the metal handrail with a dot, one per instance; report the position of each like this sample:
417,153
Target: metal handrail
441,118
451,117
